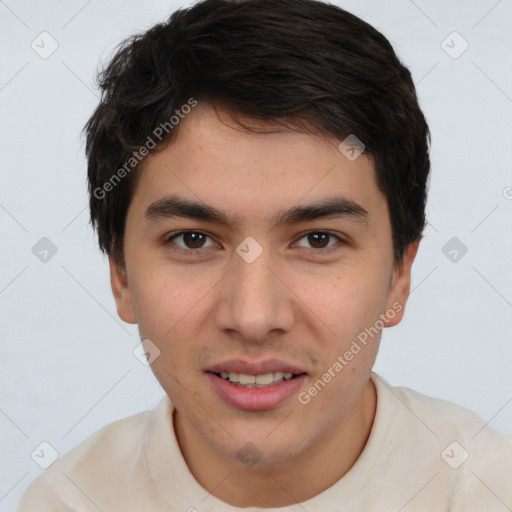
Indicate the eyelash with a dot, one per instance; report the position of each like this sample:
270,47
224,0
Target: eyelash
200,251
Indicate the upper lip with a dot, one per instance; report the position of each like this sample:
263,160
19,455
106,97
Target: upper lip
254,367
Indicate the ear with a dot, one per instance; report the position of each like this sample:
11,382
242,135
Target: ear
400,286
122,293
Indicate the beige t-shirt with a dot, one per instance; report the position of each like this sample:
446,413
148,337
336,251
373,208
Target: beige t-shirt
423,454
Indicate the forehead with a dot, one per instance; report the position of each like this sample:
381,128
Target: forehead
215,161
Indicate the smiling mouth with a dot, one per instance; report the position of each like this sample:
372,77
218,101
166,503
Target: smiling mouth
264,380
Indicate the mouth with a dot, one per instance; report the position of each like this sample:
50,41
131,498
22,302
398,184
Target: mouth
255,386
263,380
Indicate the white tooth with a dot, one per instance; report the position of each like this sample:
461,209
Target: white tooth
288,376
265,378
246,379
224,375
233,377
278,376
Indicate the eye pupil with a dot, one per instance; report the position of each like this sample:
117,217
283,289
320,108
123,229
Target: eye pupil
318,238
193,240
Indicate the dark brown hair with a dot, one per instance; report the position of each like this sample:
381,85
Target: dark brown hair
305,62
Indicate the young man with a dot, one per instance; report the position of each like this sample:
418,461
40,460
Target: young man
257,176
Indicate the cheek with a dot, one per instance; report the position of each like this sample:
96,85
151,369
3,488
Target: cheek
164,298
173,310
167,305
348,302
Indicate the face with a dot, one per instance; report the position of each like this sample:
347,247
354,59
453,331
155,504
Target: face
282,267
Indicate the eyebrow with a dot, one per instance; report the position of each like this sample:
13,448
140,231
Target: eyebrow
335,207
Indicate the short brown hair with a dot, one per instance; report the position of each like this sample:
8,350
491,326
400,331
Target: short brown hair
304,61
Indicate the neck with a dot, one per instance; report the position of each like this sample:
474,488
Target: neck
288,482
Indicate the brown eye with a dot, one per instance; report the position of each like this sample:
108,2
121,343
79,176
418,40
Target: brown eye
190,240
193,240
319,240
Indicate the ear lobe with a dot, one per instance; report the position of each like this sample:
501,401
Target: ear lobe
401,285
121,292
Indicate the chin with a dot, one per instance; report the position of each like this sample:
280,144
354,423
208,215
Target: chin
259,451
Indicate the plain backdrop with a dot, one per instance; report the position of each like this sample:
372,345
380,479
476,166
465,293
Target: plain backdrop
67,363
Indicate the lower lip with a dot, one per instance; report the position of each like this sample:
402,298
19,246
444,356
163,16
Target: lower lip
256,399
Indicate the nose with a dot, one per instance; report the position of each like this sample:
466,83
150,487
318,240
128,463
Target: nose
255,303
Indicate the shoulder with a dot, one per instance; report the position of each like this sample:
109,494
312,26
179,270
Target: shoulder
472,461
87,469
444,418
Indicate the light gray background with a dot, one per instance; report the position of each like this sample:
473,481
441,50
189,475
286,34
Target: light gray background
67,364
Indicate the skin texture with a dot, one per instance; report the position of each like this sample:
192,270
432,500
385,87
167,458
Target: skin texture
294,303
